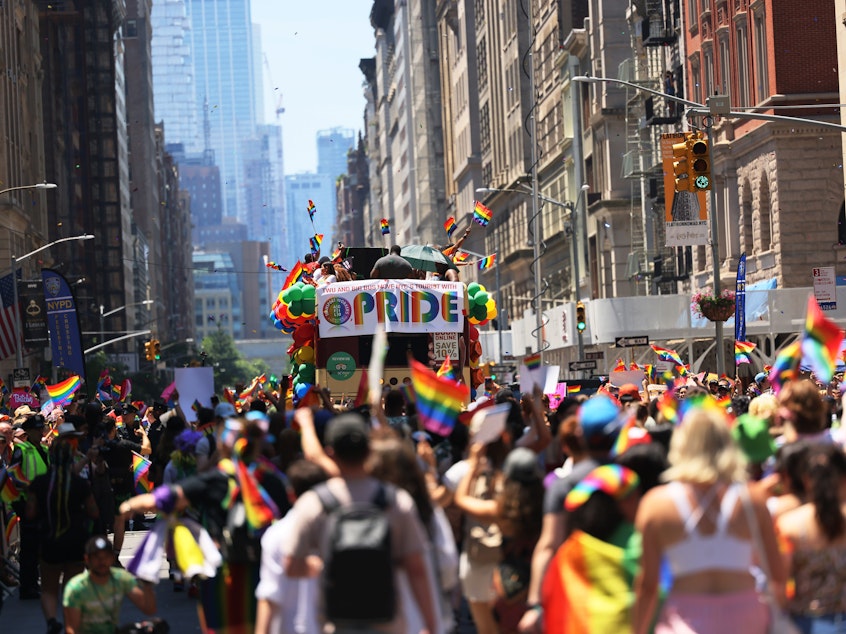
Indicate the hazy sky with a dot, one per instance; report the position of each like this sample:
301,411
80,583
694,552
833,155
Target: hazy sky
312,50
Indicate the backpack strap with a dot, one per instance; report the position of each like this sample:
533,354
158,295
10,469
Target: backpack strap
385,496
327,499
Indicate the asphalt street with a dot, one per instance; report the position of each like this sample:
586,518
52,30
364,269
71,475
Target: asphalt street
25,617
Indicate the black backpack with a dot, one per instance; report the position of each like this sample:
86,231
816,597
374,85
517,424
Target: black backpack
358,574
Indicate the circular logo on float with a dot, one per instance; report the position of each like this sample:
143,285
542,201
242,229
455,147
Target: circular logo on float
340,365
337,311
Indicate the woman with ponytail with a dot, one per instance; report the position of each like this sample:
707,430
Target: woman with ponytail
63,504
814,543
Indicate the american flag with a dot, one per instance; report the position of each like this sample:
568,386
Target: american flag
7,317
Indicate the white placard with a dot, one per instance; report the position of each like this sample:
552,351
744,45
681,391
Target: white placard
488,424
445,344
627,376
194,384
546,377
825,287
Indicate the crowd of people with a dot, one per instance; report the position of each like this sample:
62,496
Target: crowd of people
706,508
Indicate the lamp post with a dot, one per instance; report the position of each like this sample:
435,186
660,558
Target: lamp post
103,315
574,214
14,262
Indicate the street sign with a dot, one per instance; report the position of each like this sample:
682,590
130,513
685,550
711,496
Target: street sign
575,366
598,355
21,377
631,342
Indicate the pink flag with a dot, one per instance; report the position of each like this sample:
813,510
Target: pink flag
168,391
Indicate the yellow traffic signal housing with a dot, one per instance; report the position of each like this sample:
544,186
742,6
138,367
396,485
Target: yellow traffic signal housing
581,320
681,165
157,349
699,161
148,350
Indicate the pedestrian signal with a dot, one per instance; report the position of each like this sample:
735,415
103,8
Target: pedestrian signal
581,320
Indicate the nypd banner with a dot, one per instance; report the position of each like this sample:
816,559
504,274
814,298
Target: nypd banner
63,323
349,309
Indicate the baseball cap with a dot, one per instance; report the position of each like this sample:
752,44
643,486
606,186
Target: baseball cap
760,377
521,465
224,410
628,393
598,418
615,480
347,430
97,544
752,434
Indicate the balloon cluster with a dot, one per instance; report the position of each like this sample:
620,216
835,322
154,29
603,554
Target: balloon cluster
481,306
295,305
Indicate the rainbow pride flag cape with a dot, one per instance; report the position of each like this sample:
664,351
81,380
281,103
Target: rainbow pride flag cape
61,393
481,214
588,586
439,400
140,473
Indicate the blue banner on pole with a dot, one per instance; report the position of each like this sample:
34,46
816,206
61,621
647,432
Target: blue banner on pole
63,324
740,301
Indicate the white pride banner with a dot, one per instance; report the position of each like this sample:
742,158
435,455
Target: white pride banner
350,309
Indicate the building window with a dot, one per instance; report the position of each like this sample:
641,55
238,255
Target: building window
708,74
742,98
692,16
482,63
485,128
696,80
725,69
765,217
748,244
761,64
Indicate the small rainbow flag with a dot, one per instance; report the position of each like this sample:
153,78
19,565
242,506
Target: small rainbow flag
385,226
482,214
629,436
336,255
449,225
634,366
620,367
39,385
665,354
315,242
446,369
820,342
9,489
532,361
126,391
460,257
487,262
260,508
296,274
439,400
61,392
574,389
742,349
229,396
786,366
140,473
196,405
311,209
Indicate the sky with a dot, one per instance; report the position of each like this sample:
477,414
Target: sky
312,51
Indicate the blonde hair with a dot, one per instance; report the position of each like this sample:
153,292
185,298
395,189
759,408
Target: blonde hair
702,451
764,406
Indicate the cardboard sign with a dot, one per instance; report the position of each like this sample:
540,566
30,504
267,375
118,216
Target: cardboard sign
19,398
445,344
194,384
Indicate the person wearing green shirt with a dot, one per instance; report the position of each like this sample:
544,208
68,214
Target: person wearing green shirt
93,599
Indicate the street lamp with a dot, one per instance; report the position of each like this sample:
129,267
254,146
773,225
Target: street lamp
14,262
103,315
574,216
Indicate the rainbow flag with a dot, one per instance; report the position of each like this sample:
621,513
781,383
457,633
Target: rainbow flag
668,406
311,209
820,342
196,405
620,367
13,521
450,225
140,473
61,393
439,400
487,262
10,490
786,366
573,389
589,585
665,354
385,226
446,369
126,391
336,255
104,386
315,242
39,385
362,392
742,349
532,361
481,214
260,508
295,275
629,436
460,257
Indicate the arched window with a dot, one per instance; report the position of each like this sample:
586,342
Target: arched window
747,243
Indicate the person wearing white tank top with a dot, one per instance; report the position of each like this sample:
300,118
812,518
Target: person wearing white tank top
697,523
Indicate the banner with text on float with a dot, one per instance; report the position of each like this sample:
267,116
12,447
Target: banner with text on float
350,309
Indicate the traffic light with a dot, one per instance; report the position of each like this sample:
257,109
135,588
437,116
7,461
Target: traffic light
681,165
699,160
157,349
148,350
581,319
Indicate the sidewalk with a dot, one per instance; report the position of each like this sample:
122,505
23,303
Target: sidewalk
26,617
